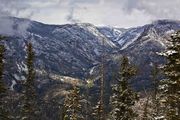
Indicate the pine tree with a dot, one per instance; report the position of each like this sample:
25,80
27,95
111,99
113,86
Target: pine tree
171,86
155,93
29,111
3,90
145,111
98,111
65,109
2,86
124,97
99,108
87,106
72,105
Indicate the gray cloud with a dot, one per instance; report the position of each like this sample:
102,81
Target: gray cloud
157,8
10,8
121,13
70,17
10,27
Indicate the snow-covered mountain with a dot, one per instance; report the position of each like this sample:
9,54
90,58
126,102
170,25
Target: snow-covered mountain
75,50
112,33
143,43
157,29
66,50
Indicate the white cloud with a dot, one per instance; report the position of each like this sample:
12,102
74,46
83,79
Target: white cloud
10,27
121,13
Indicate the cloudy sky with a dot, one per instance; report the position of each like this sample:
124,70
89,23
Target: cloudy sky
119,13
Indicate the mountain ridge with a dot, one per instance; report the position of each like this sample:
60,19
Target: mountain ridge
75,49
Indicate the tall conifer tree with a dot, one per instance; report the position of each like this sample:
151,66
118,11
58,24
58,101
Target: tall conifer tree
29,111
171,86
72,105
3,90
123,97
155,93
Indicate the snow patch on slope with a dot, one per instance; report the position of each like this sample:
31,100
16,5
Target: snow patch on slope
95,32
131,41
13,84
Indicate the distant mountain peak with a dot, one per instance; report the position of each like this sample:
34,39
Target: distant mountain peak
165,21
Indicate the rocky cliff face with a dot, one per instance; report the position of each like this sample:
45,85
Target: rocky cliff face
75,50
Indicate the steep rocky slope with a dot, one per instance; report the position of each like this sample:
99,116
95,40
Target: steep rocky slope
75,50
142,44
69,50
